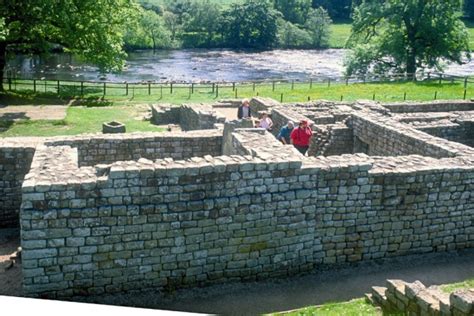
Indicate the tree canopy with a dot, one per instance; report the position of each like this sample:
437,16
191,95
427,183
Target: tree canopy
405,36
92,29
252,24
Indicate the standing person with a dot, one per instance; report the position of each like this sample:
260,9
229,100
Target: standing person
244,110
266,122
301,137
285,132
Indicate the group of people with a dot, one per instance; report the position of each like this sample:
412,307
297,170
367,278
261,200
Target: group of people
245,112
299,137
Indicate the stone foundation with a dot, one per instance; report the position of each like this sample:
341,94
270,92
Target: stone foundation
189,117
107,214
399,297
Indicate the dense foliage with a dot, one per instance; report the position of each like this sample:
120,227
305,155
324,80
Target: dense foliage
405,36
92,29
241,24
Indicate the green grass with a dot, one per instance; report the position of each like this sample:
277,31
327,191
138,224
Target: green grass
449,288
117,106
357,307
340,32
470,28
299,92
80,120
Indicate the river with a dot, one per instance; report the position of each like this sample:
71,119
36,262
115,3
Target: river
200,65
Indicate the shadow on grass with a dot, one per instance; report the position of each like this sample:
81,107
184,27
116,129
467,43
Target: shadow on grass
31,98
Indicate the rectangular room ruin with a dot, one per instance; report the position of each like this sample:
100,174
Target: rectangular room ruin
107,214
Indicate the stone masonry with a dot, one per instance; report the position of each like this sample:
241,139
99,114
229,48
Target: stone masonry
399,297
93,223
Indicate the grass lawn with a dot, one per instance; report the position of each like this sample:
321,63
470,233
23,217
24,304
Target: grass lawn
449,288
340,32
118,106
357,307
80,120
297,92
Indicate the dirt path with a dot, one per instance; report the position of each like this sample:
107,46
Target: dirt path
10,279
313,289
32,112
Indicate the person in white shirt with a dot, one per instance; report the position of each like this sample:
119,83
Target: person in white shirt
266,122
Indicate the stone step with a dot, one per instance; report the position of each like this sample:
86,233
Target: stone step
427,303
369,298
443,298
379,297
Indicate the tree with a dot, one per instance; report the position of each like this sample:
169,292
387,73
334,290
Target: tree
252,24
148,32
153,25
291,36
172,23
337,9
294,11
405,35
204,17
89,28
318,24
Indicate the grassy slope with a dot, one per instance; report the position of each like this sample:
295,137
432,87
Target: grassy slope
449,288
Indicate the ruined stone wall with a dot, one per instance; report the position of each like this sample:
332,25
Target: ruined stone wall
386,137
341,141
190,117
436,106
199,117
165,114
15,161
104,149
169,224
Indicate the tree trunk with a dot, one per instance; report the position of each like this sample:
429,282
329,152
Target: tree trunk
3,62
411,63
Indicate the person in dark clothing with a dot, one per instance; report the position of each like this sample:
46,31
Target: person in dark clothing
301,137
285,132
244,110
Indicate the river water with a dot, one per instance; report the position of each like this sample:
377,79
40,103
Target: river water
200,65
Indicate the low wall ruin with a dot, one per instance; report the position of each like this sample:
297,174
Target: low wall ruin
108,214
264,213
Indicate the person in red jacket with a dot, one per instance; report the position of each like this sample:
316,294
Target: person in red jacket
301,137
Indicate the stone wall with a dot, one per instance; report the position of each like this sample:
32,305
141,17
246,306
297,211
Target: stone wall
387,137
436,106
190,117
399,297
259,104
165,114
101,149
164,223
15,161
199,117
16,155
